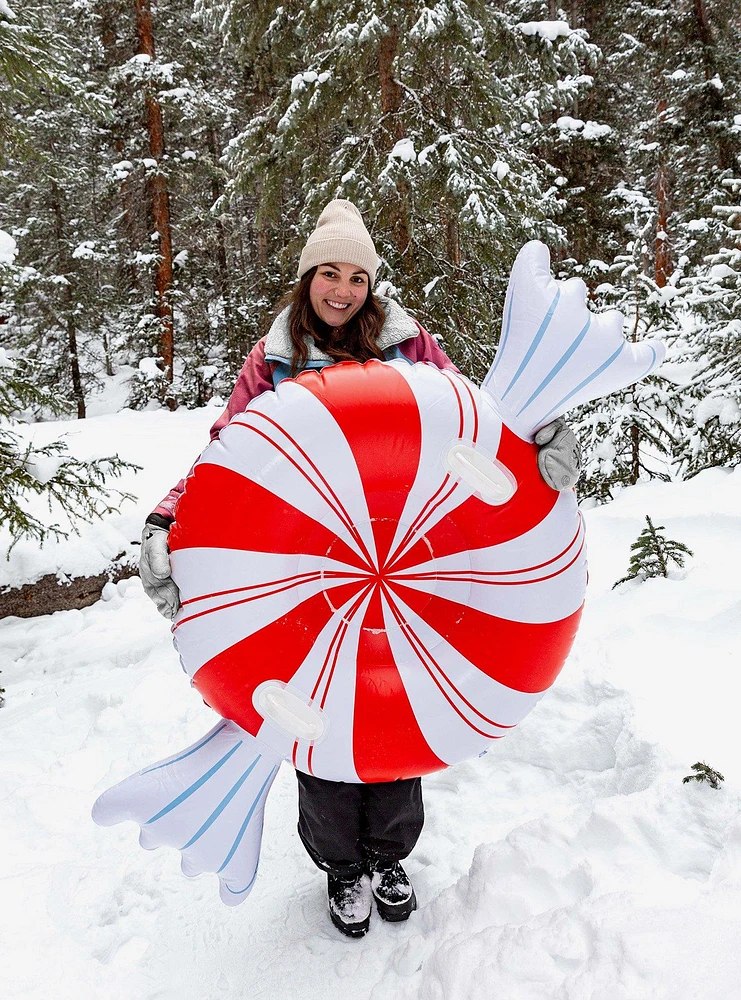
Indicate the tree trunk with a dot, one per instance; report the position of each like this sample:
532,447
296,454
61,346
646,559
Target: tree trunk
107,353
635,454
74,361
48,595
262,247
663,266
663,259
663,253
635,432
100,319
391,100
391,92
715,99
127,221
448,212
69,312
224,284
452,239
701,17
160,196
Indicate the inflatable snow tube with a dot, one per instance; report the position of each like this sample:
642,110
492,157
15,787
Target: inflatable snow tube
375,580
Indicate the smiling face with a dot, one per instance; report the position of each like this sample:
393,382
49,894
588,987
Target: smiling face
337,292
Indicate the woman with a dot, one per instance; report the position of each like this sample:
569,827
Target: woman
357,833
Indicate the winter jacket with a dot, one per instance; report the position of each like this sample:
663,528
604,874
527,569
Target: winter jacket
269,362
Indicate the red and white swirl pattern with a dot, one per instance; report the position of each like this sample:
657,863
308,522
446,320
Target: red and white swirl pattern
322,543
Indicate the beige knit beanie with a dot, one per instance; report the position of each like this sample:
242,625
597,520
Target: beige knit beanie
340,237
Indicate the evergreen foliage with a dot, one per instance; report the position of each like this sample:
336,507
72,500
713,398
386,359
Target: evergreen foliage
704,773
428,119
77,488
461,128
713,297
631,435
652,554
25,60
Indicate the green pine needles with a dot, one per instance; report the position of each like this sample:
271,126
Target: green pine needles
77,488
652,554
704,773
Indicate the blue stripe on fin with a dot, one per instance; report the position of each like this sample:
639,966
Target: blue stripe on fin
586,381
223,804
195,786
558,366
536,341
238,892
653,362
187,753
248,817
502,342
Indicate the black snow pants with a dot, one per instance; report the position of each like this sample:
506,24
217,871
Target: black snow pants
343,825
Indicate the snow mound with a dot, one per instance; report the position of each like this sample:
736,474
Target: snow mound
163,444
570,861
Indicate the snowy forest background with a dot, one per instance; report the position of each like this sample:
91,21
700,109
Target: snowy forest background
163,164
160,167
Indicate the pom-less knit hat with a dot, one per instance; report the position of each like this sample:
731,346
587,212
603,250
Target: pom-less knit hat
340,237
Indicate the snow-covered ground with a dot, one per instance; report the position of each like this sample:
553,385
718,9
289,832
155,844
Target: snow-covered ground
163,444
569,863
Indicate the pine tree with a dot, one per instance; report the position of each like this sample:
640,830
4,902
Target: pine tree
460,128
70,486
704,773
429,120
652,554
198,100
586,144
669,89
702,79
78,195
631,435
25,60
48,188
713,349
705,90
217,307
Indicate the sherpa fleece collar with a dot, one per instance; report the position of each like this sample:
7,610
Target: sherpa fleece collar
398,326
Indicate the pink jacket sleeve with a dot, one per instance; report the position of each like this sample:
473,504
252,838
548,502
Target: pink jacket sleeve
255,378
425,348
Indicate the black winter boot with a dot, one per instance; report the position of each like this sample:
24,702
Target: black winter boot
392,890
349,904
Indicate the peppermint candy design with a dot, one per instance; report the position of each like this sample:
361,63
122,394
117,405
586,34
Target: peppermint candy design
375,581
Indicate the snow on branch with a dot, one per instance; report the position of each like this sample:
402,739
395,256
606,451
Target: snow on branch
548,30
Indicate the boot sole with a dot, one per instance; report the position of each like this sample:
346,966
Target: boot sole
395,913
350,930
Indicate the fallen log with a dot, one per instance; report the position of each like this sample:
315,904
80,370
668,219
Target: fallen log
51,594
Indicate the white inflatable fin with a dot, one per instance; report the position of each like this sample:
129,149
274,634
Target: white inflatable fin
554,353
207,801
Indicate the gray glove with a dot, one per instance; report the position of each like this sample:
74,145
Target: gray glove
559,458
154,570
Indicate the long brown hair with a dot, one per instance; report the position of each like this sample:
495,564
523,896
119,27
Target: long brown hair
357,340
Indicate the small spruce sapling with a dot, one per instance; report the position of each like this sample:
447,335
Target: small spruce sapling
704,773
78,487
652,553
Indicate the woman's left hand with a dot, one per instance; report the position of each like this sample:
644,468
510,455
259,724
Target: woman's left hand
559,458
